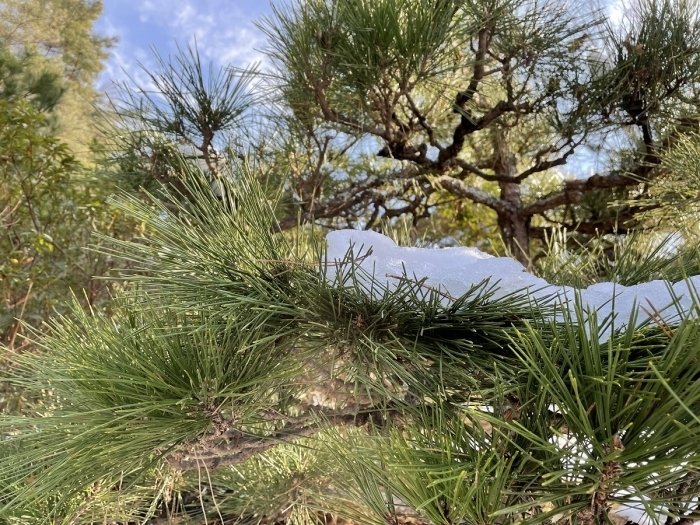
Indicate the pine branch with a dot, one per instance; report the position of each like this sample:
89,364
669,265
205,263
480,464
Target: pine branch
457,187
234,447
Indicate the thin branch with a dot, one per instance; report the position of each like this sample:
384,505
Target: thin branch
423,122
475,170
469,125
464,97
574,190
236,447
333,115
458,187
341,203
544,165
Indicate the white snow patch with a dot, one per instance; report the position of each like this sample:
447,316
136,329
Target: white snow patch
634,509
454,271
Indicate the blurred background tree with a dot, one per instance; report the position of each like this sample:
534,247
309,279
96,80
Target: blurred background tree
52,199
50,208
59,37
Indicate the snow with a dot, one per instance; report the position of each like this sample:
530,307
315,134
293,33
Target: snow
376,259
635,509
643,511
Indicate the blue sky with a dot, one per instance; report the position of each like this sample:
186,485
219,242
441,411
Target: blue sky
224,31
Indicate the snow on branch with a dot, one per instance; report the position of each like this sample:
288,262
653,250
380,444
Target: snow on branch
453,272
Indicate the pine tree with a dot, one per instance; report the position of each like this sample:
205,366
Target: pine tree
478,101
60,37
151,129
241,376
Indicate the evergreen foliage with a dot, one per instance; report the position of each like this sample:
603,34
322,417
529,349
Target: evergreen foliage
235,373
189,112
60,38
19,80
50,206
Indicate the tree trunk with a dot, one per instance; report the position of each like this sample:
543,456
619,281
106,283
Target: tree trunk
514,225
516,235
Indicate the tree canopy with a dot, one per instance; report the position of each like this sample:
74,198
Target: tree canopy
60,37
460,94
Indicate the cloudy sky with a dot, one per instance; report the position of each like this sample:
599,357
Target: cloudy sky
224,31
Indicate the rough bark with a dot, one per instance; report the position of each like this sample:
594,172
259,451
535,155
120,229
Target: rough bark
513,223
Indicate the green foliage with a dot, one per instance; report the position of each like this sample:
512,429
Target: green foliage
59,36
188,111
62,29
483,103
236,381
674,198
460,224
50,206
445,469
50,203
627,260
138,397
286,482
341,45
232,378
18,80
654,49
625,405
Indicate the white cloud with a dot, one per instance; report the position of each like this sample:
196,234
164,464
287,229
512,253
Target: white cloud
184,15
223,32
616,10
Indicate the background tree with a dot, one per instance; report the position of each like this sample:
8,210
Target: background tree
674,198
19,80
50,208
60,36
190,111
51,204
459,93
